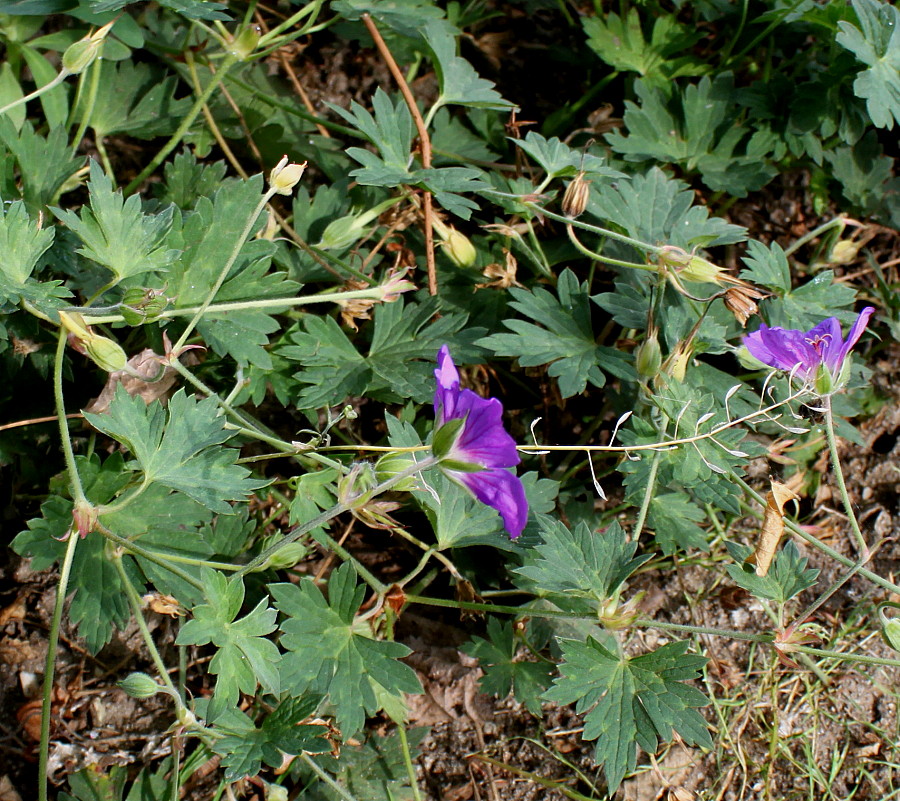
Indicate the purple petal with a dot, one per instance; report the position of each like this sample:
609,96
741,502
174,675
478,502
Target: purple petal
501,490
825,339
447,387
782,349
483,440
856,332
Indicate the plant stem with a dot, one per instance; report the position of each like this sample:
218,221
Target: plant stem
846,657
816,232
424,143
648,497
407,758
839,478
605,259
635,243
226,268
326,778
227,63
150,556
324,517
817,543
63,74
138,613
68,453
93,86
374,293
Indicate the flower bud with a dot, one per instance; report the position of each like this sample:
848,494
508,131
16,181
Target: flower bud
103,351
243,45
460,249
390,465
648,357
844,251
285,176
81,54
890,627
576,197
689,266
456,245
285,557
139,685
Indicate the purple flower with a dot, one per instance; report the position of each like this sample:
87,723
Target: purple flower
806,352
473,447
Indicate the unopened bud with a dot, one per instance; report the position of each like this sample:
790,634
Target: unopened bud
243,45
139,685
286,557
392,464
103,351
890,627
285,176
460,249
844,252
648,357
688,266
575,198
81,54
456,245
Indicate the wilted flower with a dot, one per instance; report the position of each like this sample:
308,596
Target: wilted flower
818,356
575,198
741,299
473,447
285,176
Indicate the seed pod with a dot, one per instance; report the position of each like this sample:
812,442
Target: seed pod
576,197
139,685
81,54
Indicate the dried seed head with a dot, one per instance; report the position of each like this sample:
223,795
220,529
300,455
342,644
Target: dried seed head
576,196
741,299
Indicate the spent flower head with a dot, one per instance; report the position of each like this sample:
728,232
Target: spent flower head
818,356
473,447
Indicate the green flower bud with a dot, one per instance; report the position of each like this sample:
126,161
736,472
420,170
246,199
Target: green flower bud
890,627
243,45
103,351
390,465
844,251
81,54
139,685
648,357
285,557
456,245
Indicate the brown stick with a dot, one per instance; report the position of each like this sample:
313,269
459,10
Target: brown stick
424,143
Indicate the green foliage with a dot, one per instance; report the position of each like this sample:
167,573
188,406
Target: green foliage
787,576
561,161
244,657
244,746
561,336
578,565
22,243
175,447
504,673
877,45
116,233
629,701
621,43
700,131
328,654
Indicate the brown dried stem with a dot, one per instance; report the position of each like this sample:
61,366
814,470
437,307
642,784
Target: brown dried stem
424,143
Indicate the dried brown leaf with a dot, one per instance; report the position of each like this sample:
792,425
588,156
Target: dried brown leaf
772,527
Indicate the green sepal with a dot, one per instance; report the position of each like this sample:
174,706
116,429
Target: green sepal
445,437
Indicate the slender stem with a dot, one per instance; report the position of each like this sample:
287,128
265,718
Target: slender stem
648,497
226,268
138,614
150,556
817,543
839,478
407,758
737,635
185,125
312,8
605,259
341,507
816,232
64,73
424,142
50,665
373,293
68,453
845,657
635,243
326,778
93,87
429,550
